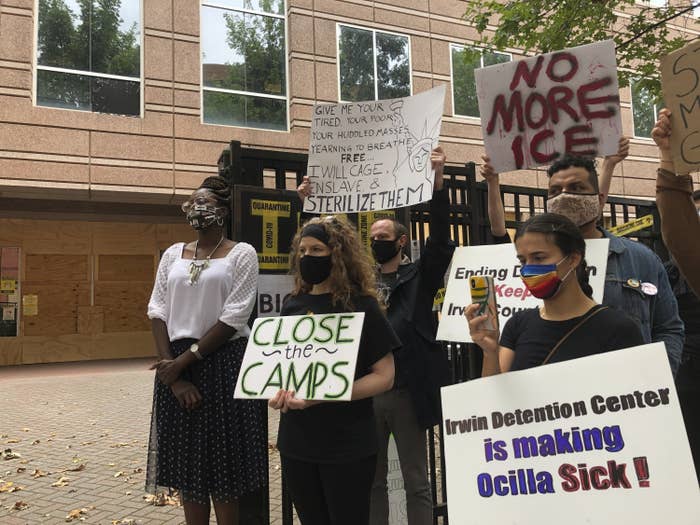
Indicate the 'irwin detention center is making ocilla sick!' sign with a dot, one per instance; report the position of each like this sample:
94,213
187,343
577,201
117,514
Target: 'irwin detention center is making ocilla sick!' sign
368,156
313,355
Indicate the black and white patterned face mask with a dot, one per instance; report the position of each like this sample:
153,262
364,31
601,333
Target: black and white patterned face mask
201,216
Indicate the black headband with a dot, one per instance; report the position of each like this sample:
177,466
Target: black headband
317,232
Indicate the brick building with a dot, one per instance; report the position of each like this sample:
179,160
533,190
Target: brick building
112,112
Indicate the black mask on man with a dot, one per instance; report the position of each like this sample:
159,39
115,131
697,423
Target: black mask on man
384,251
314,269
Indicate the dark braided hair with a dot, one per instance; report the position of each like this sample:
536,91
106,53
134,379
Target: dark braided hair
220,188
566,236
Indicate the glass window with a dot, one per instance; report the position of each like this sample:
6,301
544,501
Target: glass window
244,64
463,82
644,109
89,55
372,65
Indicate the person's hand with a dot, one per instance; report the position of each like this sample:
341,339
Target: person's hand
294,403
487,171
277,401
304,189
168,370
437,160
623,149
662,131
187,394
486,339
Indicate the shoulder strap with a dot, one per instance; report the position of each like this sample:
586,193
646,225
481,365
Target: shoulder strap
566,336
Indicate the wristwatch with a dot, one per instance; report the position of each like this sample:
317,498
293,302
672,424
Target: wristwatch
195,350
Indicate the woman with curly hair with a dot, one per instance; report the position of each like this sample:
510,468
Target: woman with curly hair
205,443
329,449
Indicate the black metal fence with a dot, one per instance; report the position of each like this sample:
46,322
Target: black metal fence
469,226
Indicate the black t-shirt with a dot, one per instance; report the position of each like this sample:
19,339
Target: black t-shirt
532,338
342,431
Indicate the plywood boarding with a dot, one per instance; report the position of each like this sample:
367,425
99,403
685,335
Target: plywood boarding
126,267
124,304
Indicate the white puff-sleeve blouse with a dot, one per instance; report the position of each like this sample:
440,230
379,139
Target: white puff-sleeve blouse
225,291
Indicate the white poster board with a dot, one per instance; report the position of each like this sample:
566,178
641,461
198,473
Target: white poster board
500,261
367,156
273,289
594,441
536,109
313,355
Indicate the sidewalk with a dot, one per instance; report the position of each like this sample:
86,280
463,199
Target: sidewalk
81,433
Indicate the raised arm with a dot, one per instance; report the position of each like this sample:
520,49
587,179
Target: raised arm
496,211
609,163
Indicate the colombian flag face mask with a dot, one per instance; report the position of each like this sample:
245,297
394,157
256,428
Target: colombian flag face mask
542,280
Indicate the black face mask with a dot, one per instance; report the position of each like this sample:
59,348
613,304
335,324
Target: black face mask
314,269
384,250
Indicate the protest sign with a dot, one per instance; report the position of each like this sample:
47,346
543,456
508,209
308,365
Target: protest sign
273,289
536,109
595,440
500,262
313,355
368,156
680,78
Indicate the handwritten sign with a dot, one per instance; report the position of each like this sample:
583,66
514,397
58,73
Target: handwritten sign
680,78
535,110
314,355
367,156
500,262
592,440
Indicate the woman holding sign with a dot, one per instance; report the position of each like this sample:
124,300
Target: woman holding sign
203,442
569,324
329,449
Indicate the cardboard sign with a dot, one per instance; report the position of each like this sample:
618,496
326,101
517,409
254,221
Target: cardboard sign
367,156
647,221
596,440
535,110
272,291
500,262
314,355
680,79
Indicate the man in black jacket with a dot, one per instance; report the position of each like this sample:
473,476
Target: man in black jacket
413,405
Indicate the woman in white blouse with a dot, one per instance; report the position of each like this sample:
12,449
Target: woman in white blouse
203,442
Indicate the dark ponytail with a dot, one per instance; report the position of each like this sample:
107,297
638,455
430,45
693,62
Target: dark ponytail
566,236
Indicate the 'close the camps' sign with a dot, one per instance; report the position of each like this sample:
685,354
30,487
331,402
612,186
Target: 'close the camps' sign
597,440
536,109
313,355
369,156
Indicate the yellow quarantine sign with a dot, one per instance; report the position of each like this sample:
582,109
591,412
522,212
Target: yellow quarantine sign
271,212
632,226
8,286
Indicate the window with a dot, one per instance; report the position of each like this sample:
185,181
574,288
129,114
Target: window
89,55
244,64
644,109
464,101
372,65
9,291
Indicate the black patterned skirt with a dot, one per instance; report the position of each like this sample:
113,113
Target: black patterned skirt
217,450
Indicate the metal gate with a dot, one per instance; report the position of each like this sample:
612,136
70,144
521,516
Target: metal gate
469,226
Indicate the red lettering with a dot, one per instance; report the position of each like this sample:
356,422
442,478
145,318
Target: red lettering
585,102
571,141
517,149
568,474
556,103
558,57
522,71
598,484
542,158
506,114
536,97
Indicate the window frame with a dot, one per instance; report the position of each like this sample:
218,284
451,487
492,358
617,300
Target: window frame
656,115
374,31
462,47
36,67
202,88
